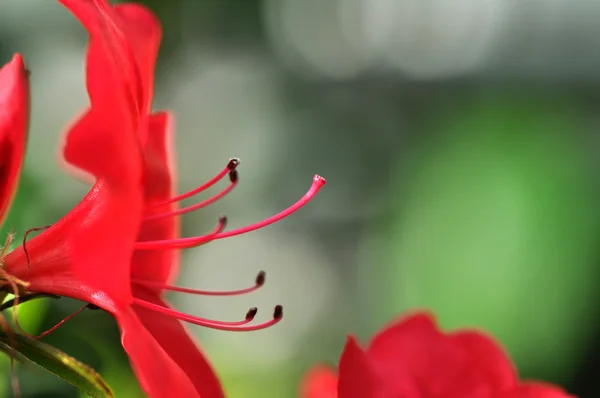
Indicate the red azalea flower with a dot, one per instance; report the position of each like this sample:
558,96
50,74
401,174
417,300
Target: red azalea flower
118,248
412,358
14,100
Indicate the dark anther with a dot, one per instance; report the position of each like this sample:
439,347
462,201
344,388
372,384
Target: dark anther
223,221
251,313
260,278
233,176
233,163
93,307
278,313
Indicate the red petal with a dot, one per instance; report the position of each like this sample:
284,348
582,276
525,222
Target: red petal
144,33
85,255
414,348
488,361
159,173
184,354
104,141
319,382
357,378
14,102
159,375
536,390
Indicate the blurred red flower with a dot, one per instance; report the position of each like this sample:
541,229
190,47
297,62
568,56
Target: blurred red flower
118,248
14,101
412,358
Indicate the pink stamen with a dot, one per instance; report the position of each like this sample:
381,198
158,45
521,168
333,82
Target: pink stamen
260,280
220,227
233,177
231,166
238,326
184,243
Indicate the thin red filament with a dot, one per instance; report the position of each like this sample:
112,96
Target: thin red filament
260,280
239,326
231,166
183,243
233,176
59,324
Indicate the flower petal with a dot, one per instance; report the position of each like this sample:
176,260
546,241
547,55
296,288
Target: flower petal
415,348
144,33
14,102
536,390
158,180
158,374
319,382
184,354
104,141
357,378
489,362
86,255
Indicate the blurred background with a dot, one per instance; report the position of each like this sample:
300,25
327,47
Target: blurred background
460,143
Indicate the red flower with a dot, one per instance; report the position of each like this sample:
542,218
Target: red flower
118,248
412,358
14,100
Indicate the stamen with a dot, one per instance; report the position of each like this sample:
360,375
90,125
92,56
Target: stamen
184,243
259,281
238,326
59,324
231,166
233,177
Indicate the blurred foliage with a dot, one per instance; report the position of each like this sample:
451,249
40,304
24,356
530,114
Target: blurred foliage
55,361
494,222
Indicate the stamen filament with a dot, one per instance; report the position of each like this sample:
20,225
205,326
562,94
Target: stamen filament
234,179
233,163
184,243
260,280
238,326
59,324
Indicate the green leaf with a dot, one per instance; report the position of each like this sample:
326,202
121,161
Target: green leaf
57,362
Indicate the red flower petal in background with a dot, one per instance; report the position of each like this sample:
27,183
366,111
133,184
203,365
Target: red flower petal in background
412,358
14,102
320,382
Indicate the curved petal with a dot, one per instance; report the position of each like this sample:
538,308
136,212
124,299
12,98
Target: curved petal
184,354
14,102
158,177
489,363
144,33
158,374
415,348
319,382
133,34
86,254
536,390
104,141
357,378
